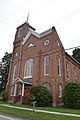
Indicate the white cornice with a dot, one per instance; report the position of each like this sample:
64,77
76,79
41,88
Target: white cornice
45,32
26,37
36,34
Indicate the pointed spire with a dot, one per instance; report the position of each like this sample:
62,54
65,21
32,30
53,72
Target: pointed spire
27,21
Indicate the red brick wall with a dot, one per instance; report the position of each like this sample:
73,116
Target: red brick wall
38,52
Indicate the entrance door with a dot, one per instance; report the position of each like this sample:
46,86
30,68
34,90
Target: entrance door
26,91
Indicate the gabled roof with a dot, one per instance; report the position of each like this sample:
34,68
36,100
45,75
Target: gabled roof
17,80
35,34
57,36
32,32
27,24
72,58
25,81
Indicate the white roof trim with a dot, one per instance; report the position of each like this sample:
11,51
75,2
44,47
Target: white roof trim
36,34
45,32
18,80
28,83
27,36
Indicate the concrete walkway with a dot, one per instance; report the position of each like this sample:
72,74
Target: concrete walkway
44,111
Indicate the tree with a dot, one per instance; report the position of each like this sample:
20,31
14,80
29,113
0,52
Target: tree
76,54
5,70
71,95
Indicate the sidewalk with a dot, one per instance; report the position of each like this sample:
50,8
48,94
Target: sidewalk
45,111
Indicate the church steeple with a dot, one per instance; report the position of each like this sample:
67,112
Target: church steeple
27,21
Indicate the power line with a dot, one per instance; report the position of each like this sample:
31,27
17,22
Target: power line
1,21
36,11
72,48
53,21
21,18
42,6
70,15
46,53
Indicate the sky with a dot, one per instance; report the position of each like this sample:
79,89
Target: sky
43,14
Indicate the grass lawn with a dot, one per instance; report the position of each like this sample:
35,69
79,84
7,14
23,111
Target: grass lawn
42,116
54,109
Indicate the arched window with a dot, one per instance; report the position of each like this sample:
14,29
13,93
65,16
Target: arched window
60,91
59,66
14,72
20,32
28,70
67,70
46,85
46,65
74,73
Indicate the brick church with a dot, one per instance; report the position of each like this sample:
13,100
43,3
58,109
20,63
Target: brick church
39,60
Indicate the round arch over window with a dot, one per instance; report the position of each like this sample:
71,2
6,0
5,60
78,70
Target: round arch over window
46,85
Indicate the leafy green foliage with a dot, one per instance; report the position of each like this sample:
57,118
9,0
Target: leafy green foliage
5,70
71,95
4,95
76,54
42,95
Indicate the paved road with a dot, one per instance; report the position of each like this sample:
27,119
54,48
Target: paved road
3,117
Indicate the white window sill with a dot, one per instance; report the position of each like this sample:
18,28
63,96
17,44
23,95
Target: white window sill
59,75
46,74
28,77
60,96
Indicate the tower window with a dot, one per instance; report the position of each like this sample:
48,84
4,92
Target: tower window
20,32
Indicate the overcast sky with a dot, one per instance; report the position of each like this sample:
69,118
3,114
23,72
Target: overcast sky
43,14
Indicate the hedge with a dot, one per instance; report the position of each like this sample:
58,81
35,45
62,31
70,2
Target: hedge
71,95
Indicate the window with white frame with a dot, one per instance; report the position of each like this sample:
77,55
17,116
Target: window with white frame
14,71
46,65
46,42
17,53
60,91
46,85
12,91
74,73
20,32
67,70
28,68
59,65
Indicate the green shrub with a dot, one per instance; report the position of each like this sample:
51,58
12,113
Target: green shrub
42,95
71,95
4,95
